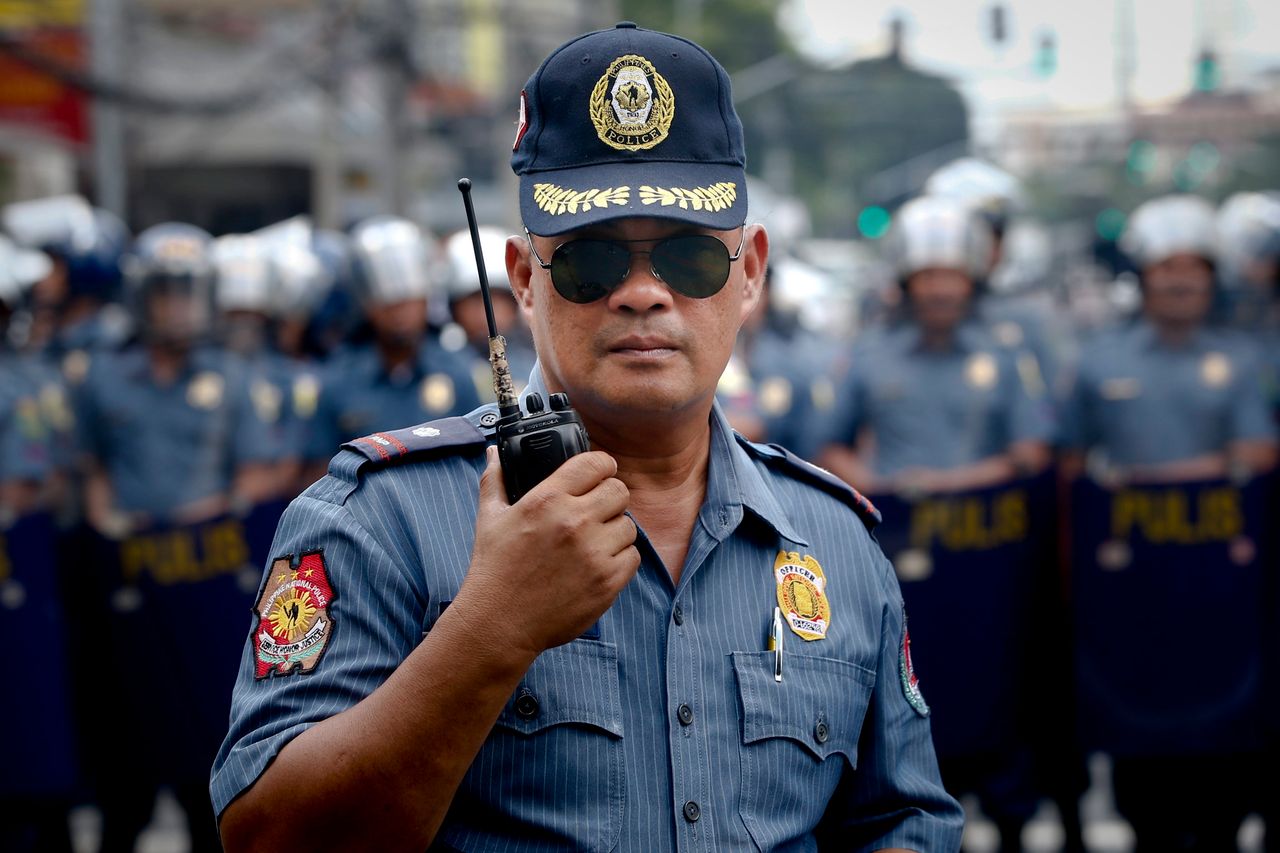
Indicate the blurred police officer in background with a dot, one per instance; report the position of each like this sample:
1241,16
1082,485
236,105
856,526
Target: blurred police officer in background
25,433
774,388
933,403
401,375
468,334
1171,399
169,427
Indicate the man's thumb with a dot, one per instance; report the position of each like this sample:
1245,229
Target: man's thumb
492,487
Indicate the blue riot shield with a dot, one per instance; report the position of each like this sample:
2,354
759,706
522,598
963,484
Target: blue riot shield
968,565
1171,600
178,602
37,744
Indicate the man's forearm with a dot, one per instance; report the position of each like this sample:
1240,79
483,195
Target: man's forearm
382,774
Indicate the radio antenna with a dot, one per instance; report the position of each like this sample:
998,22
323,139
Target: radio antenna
503,388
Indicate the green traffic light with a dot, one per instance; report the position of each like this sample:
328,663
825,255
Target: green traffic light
873,222
1109,224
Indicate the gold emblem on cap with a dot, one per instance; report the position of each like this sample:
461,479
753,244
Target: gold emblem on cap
555,199
1215,370
632,105
980,372
714,197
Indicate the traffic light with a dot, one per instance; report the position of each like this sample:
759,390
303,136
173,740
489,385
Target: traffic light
874,222
1207,70
999,24
1046,61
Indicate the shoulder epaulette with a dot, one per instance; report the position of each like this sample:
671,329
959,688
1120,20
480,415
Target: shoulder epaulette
435,436
779,457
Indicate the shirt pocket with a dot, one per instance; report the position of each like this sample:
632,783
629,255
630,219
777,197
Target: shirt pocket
551,774
798,737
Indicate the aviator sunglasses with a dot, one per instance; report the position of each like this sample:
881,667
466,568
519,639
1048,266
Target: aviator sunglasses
694,265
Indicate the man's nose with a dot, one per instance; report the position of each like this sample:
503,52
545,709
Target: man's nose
641,290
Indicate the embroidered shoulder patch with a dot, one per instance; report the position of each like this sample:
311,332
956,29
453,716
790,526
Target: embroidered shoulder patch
907,674
294,625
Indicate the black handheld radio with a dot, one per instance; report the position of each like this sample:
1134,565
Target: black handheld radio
530,446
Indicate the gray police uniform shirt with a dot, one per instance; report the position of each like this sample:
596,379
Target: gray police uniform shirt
936,408
358,395
661,728
164,446
1141,401
26,428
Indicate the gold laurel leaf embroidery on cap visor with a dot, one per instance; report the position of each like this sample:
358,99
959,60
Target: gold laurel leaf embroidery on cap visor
716,197
555,199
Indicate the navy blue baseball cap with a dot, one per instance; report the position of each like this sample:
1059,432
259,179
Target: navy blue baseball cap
629,122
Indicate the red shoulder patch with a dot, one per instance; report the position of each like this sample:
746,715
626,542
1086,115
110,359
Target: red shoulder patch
294,625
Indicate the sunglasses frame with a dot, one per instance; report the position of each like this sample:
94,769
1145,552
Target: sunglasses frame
546,265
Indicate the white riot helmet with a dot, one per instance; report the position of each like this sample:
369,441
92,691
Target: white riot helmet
463,279
988,190
938,233
1171,225
246,280
1248,231
19,269
392,259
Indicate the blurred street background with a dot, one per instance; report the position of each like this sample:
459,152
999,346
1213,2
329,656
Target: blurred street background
1023,293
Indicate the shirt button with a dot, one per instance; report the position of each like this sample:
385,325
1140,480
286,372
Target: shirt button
677,615
692,812
527,706
685,713
821,732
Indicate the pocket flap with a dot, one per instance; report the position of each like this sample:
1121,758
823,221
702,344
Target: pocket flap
572,684
820,702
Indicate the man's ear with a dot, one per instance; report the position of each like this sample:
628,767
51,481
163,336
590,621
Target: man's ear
520,274
755,261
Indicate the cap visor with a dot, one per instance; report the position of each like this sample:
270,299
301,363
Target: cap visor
709,195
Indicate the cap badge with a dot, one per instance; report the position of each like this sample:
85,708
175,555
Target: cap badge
632,105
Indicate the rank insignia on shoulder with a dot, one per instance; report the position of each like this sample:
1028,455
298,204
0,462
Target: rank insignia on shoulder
294,626
907,674
802,594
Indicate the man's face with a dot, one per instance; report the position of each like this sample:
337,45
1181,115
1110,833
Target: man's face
399,324
939,298
176,312
644,349
468,312
1178,289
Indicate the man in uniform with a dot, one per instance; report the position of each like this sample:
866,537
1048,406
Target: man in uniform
403,375
1170,399
590,667
933,403
468,334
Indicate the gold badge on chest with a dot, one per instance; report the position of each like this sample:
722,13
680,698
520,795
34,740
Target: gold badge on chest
205,390
437,393
802,594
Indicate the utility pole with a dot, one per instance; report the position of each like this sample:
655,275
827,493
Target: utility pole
110,166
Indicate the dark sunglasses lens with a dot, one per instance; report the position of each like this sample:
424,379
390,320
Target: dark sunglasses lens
586,270
695,265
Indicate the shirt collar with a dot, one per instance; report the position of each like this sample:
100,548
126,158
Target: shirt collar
967,337
733,480
1149,338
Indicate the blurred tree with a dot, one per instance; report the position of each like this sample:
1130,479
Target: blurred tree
739,33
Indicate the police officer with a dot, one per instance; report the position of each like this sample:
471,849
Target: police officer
774,389
402,375
1169,398
933,403
587,668
1248,227
468,334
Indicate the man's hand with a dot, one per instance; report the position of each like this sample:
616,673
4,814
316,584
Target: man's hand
552,564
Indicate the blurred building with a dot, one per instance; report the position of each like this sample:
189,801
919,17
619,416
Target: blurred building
235,113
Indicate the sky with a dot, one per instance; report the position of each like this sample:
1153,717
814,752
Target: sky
952,37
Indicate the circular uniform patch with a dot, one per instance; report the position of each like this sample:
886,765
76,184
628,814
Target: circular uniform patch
632,105
802,594
294,626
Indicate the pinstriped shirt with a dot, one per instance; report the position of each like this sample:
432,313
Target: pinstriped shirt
662,728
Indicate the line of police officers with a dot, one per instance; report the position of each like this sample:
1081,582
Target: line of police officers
174,379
